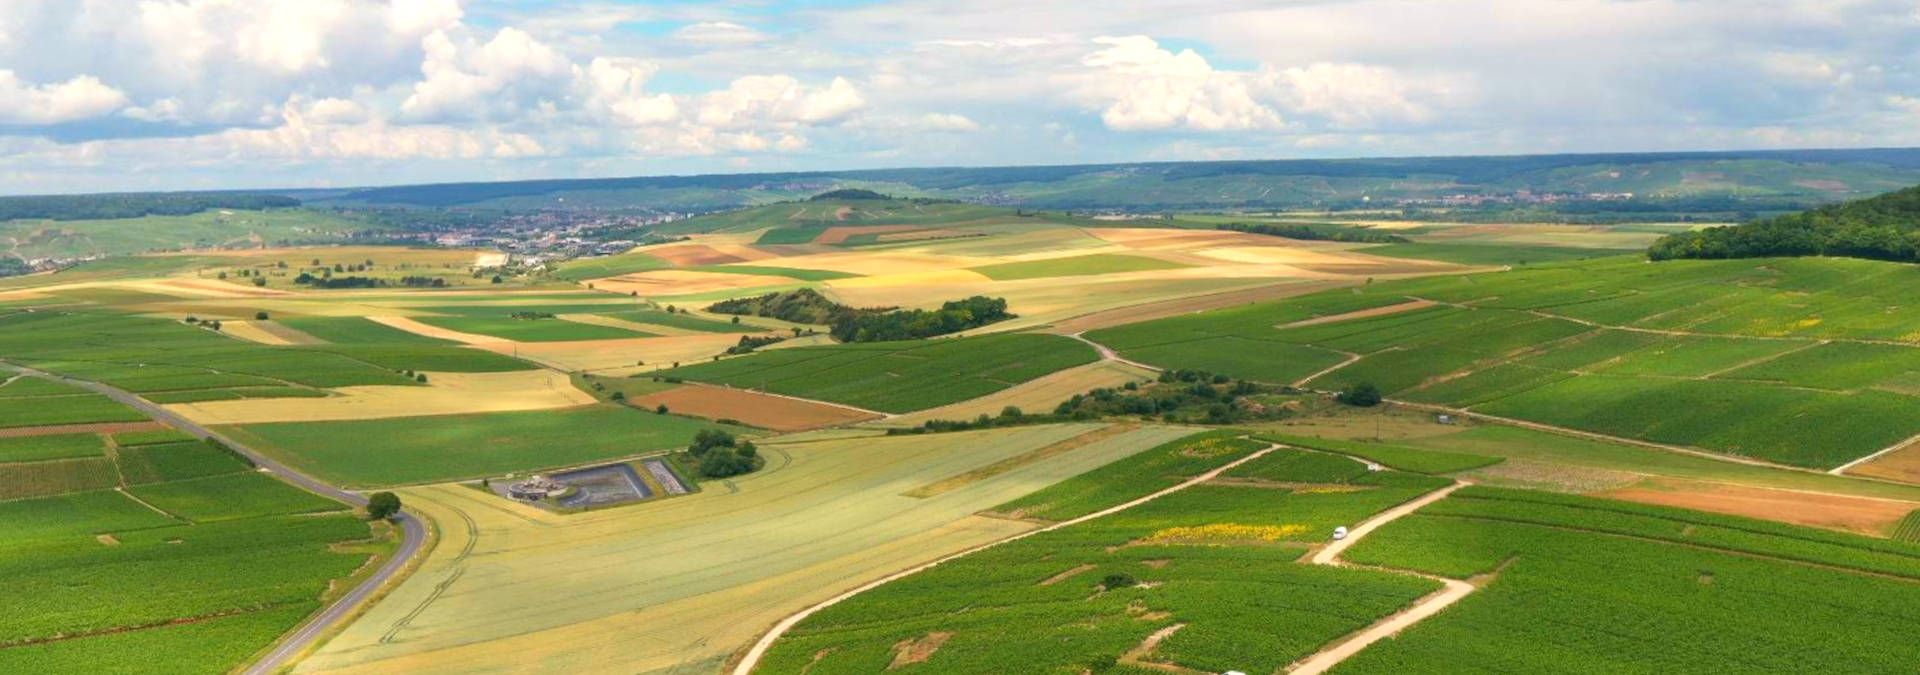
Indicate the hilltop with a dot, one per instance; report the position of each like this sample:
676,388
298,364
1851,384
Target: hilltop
1886,227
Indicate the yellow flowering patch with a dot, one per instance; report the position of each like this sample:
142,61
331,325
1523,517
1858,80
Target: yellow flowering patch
1210,447
1223,532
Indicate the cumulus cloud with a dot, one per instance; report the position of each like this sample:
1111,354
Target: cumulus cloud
616,88
473,80
1355,95
82,97
779,100
1140,85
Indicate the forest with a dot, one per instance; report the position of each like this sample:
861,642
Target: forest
1886,227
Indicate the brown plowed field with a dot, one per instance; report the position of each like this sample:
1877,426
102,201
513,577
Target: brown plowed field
760,410
1838,512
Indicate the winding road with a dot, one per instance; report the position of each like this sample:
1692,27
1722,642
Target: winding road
413,532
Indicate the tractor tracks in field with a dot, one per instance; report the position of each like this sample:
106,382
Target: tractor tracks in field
759,649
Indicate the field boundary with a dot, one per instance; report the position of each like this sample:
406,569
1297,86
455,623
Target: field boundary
759,649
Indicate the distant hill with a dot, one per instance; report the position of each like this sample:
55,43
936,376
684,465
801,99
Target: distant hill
1767,181
1631,186
1886,227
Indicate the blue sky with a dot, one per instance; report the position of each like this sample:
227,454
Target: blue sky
198,94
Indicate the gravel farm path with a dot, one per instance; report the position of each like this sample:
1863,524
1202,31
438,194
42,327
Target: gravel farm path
413,533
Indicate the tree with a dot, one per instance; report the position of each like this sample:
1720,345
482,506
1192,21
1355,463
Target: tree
736,321
260,281
420,377
497,279
618,396
660,409
259,316
382,505
1361,394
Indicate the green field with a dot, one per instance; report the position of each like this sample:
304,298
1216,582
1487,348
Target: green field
1739,368
1403,458
62,446
425,449
1098,263
1136,476
1623,588
73,409
608,266
1219,562
680,320
1491,254
530,330
896,376
353,330
212,562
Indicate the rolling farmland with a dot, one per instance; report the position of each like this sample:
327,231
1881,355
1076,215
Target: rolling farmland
687,580
1610,587
896,376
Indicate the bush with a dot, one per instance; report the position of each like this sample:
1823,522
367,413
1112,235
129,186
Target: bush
1361,394
660,409
259,316
618,396
383,505
1116,581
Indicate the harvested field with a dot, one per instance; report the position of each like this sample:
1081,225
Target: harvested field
1902,465
1035,396
619,356
611,322
839,235
1864,515
875,263
766,411
445,394
682,583
417,328
658,283
1186,305
689,255
267,333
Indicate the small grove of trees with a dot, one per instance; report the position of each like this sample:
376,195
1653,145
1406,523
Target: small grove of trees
382,505
720,454
911,324
749,343
1360,394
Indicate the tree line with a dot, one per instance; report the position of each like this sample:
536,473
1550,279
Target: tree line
875,324
1886,227
1318,232
133,205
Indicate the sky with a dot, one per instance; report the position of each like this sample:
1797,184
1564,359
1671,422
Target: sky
122,95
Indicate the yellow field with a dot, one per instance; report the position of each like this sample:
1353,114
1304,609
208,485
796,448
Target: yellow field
617,356
445,394
1036,396
678,585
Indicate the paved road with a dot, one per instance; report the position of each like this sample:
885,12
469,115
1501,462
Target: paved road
414,534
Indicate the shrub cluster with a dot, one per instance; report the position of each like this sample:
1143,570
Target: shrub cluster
720,454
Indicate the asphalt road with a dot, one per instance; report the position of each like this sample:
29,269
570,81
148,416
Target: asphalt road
413,533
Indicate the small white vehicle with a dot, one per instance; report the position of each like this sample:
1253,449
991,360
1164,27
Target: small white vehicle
1339,533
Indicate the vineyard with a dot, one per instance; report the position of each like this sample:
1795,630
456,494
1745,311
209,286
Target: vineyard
1203,579
1587,585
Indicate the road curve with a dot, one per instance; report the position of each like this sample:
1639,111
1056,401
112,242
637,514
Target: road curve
413,533
759,649
1454,589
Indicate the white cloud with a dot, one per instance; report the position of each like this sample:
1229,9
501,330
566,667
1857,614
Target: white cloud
948,122
82,97
1141,86
1357,95
719,33
468,80
779,100
615,87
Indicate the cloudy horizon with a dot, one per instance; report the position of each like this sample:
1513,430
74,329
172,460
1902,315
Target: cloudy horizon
108,95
